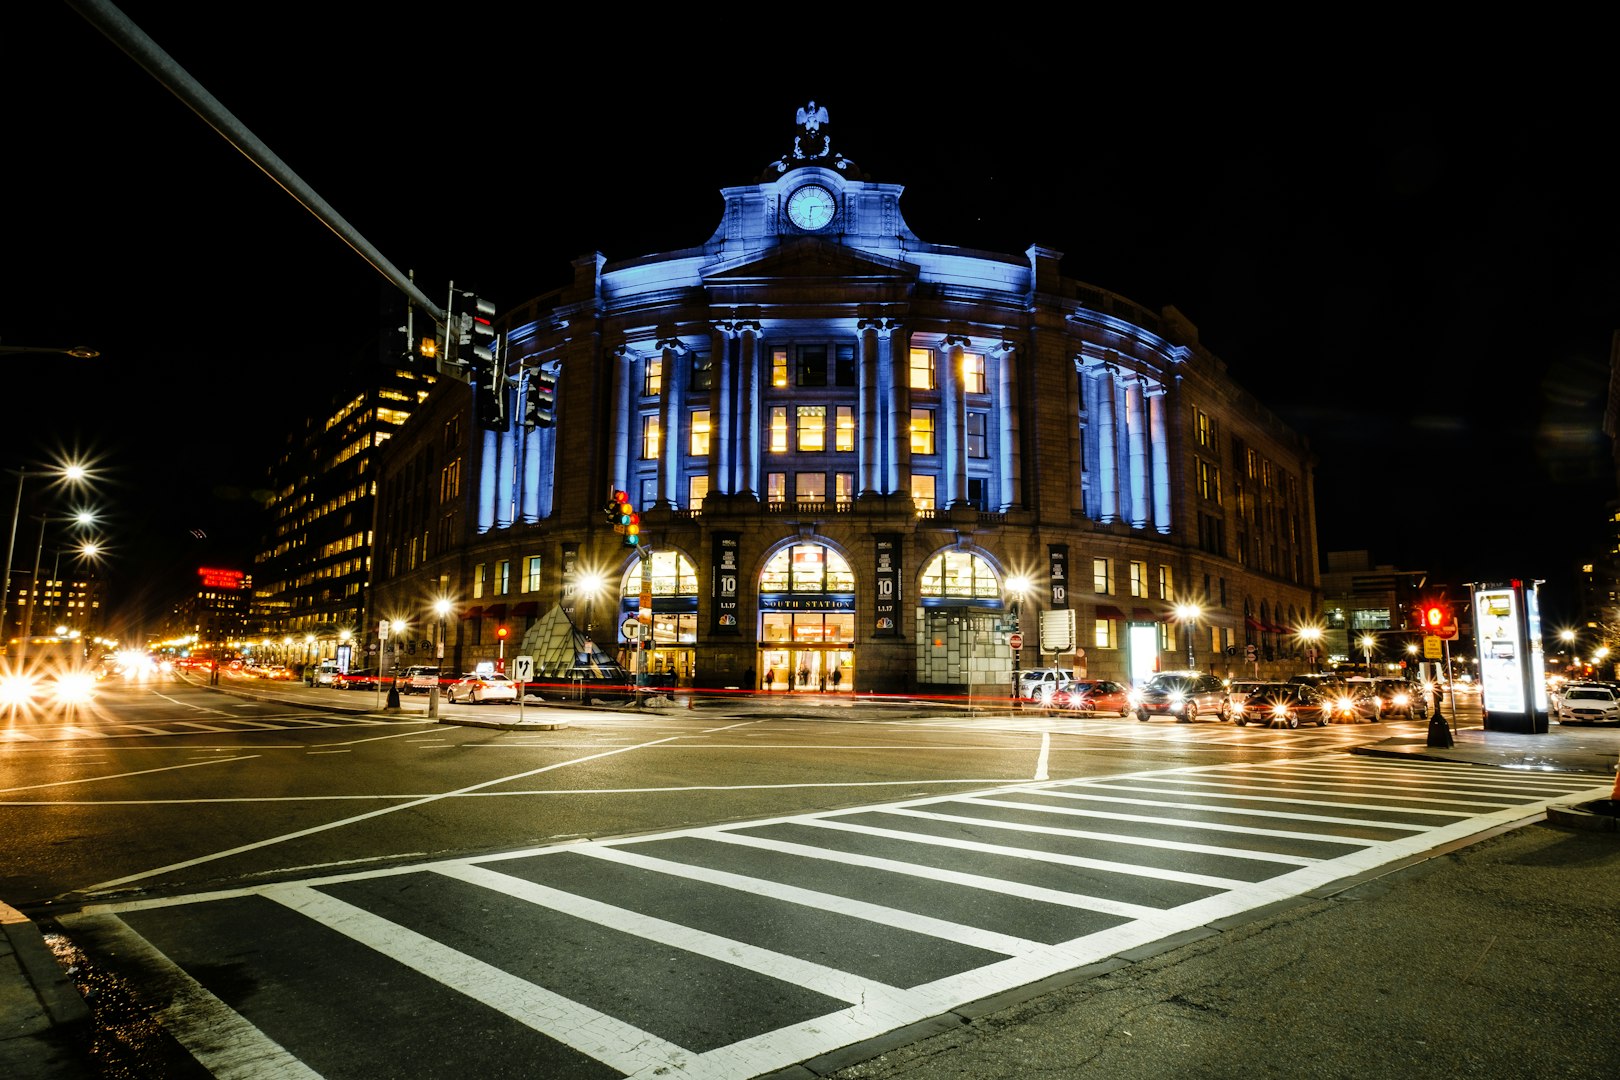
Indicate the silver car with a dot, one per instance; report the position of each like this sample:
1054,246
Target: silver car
1588,705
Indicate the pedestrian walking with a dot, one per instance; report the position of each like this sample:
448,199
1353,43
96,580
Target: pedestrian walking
770,677
838,678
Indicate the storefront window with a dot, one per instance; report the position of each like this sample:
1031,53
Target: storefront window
807,568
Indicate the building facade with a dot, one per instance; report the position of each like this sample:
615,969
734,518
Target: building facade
862,462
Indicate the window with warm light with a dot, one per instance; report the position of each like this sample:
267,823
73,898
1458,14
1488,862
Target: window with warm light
922,491
810,487
652,378
697,489
649,438
962,575
531,573
1138,582
1167,585
779,429
922,369
503,577
776,487
845,430
699,442
779,367
844,488
1102,635
1102,577
479,580
973,372
922,431
812,427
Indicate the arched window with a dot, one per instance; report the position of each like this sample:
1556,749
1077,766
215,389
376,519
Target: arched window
672,575
807,568
960,575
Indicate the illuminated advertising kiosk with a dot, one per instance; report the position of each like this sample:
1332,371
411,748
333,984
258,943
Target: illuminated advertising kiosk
1507,635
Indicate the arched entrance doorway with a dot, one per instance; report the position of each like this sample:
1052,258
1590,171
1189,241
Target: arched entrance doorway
670,582
807,620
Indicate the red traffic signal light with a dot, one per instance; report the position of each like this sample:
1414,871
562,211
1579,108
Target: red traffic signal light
1433,618
501,632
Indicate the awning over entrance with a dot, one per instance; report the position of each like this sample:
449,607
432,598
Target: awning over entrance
1143,614
526,609
495,611
1254,624
1106,612
472,613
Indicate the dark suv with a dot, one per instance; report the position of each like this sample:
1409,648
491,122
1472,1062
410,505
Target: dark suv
1402,698
1185,695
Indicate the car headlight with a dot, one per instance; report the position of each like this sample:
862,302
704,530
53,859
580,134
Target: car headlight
1402,700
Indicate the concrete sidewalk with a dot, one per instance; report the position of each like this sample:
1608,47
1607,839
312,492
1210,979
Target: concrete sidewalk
1398,954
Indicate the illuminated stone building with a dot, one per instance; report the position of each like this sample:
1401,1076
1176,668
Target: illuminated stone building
854,453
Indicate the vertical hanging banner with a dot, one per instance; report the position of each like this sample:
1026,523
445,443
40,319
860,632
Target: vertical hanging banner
570,567
723,583
887,584
1058,573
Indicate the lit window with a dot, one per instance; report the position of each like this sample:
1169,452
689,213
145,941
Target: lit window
649,438
961,575
810,487
776,487
922,491
1102,577
1139,584
922,369
779,367
845,430
779,434
973,372
531,574
844,488
700,433
1167,584
812,427
697,489
479,580
653,378
922,431
503,577
807,568
1103,634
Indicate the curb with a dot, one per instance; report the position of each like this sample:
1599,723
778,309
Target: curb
56,992
1599,815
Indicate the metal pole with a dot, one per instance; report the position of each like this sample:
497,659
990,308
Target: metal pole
33,587
5,586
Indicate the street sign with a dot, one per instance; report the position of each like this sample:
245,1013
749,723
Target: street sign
1446,633
1432,649
522,668
631,630
1015,641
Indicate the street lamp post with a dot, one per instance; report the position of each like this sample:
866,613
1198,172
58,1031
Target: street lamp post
71,472
442,608
84,517
1366,652
398,627
1312,636
1016,586
1188,615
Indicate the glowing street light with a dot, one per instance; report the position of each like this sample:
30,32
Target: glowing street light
1187,615
1367,644
71,473
1312,637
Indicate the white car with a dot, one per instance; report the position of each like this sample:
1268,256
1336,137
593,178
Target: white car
1041,684
477,689
1588,705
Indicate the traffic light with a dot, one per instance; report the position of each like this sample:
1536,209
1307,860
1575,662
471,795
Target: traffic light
478,335
540,403
625,519
501,632
1436,617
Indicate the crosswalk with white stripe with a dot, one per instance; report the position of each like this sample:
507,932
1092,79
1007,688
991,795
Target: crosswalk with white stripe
737,950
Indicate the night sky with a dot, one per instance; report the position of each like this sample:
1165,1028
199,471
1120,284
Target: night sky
1411,261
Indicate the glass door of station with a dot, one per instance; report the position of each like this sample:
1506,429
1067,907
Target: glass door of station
814,670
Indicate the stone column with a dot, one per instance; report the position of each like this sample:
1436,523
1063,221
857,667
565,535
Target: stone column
669,425
748,408
1107,446
624,378
1135,426
1007,456
867,479
891,340
1160,454
953,404
722,479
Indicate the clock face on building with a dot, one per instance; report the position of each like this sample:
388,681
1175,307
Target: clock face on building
810,207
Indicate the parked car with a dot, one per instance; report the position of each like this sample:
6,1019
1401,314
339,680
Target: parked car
1040,684
1092,696
1185,695
1588,703
418,680
476,689
359,679
1400,697
1288,704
